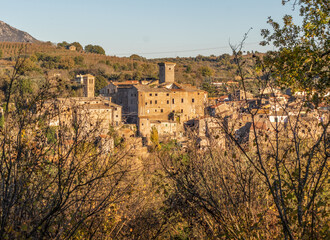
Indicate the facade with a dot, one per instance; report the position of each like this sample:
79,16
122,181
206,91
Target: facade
164,104
72,48
88,82
166,72
88,113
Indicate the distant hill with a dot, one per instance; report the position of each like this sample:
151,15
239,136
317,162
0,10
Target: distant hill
11,34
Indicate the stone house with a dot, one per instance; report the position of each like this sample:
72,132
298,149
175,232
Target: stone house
88,113
164,104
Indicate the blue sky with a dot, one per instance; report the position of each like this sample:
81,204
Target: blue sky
151,28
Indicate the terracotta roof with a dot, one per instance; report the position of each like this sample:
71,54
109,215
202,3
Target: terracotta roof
125,83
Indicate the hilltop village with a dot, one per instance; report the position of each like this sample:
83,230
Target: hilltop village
137,110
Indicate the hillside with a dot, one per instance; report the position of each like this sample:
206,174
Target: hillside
56,60
11,34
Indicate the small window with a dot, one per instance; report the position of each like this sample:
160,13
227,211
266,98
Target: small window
155,101
116,115
181,110
146,103
161,110
150,102
167,94
181,100
155,110
168,102
198,93
150,94
156,94
172,100
115,109
193,100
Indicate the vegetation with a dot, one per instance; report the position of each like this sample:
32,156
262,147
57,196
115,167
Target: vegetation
65,182
94,49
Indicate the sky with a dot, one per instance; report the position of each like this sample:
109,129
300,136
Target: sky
150,28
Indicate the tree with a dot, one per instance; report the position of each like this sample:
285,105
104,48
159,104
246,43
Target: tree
94,49
100,82
55,183
303,51
154,138
205,71
63,44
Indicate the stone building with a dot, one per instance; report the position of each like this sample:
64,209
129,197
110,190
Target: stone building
165,105
88,82
89,113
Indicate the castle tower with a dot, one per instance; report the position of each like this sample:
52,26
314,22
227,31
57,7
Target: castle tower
166,72
89,85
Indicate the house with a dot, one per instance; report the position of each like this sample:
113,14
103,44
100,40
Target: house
164,104
72,48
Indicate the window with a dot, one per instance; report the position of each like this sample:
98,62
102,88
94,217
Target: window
172,100
168,102
156,94
181,110
115,109
193,100
181,100
116,115
146,103
198,93
161,110
150,94
91,81
150,102
155,101
155,110
167,94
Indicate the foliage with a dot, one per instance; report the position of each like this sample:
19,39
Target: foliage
205,71
79,60
154,138
100,82
208,87
55,183
303,51
94,49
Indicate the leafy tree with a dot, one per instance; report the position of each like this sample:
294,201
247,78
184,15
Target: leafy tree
100,82
205,71
63,44
136,57
94,49
79,60
302,59
154,138
188,69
